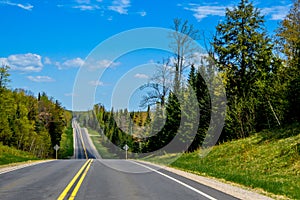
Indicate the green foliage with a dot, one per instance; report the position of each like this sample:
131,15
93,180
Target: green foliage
66,144
289,43
27,123
288,38
244,55
4,76
198,86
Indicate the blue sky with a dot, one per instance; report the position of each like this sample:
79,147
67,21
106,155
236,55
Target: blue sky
45,42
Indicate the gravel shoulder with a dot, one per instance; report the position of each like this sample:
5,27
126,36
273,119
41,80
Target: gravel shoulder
15,166
232,189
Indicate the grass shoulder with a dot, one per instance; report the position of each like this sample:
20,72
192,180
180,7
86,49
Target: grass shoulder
267,161
10,155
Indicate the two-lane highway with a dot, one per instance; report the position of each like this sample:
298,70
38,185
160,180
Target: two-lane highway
42,181
83,146
104,179
84,178
79,148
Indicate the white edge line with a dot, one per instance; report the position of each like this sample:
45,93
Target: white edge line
23,166
177,181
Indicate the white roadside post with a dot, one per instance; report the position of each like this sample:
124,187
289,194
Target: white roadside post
56,147
126,147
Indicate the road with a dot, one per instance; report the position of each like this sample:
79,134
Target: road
83,146
105,179
97,178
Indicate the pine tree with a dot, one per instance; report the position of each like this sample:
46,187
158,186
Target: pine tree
4,76
244,56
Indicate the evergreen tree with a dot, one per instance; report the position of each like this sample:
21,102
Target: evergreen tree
4,76
244,55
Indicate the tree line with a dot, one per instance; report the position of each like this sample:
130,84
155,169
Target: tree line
29,123
260,73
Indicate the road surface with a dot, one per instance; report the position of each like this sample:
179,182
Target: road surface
96,178
83,146
105,179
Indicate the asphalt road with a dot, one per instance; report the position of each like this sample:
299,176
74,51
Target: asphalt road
84,147
105,179
90,148
42,181
84,178
78,146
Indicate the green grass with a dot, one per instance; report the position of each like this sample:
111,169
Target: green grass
97,140
11,155
269,160
66,144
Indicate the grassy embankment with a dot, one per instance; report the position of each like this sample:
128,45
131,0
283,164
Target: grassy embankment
11,155
268,161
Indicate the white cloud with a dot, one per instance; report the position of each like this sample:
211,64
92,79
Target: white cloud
23,6
83,1
100,64
72,63
87,7
90,64
96,83
201,12
142,13
40,79
120,6
47,61
141,76
277,12
24,62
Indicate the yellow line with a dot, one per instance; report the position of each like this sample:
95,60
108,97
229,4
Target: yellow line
66,190
82,142
73,195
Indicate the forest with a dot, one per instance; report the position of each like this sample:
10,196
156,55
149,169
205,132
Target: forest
260,72
29,123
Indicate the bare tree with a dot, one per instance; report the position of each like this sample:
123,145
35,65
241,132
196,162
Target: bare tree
159,85
183,47
171,70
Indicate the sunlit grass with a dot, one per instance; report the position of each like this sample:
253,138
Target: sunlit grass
269,160
11,155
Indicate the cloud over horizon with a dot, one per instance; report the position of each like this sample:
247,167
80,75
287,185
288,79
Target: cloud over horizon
28,62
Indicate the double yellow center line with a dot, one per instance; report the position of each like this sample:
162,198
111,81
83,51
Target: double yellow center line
79,175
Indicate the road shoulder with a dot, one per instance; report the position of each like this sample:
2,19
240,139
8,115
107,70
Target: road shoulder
15,166
233,190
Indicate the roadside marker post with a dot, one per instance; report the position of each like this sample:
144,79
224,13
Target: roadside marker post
126,147
56,147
